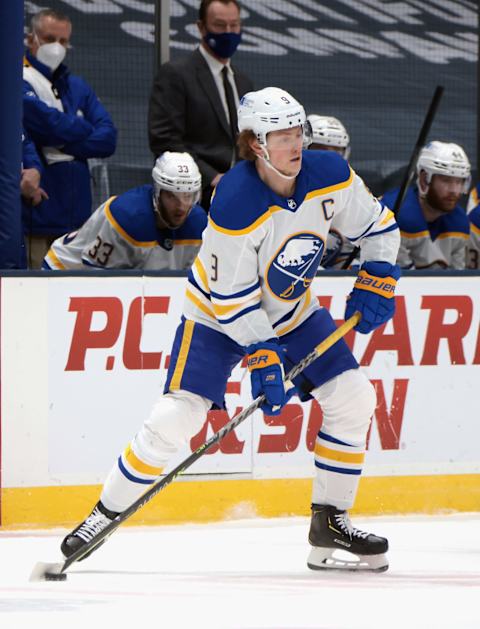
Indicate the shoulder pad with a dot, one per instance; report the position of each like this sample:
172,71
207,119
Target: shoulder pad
241,200
132,215
410,219
474,216
457,221
193,227
389,197
326,170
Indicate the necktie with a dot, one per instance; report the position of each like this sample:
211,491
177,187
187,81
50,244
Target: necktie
231,106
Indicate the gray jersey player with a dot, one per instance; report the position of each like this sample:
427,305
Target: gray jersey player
156,226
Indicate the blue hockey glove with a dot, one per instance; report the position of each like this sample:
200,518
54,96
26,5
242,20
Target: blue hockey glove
373,295
265,363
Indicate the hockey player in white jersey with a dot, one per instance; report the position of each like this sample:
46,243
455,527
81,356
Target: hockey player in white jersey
156,226
248,293
329,134
434,228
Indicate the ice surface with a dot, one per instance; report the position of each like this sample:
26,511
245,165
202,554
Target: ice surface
248,574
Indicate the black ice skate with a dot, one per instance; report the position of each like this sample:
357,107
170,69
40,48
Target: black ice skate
99,519
331,532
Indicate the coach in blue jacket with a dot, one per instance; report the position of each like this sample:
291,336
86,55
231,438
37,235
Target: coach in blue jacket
68,125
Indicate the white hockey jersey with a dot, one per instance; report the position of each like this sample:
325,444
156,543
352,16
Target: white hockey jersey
473,247
260,251
123,234
439,244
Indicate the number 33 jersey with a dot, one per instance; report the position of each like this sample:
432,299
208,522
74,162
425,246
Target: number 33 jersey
123,234
261,251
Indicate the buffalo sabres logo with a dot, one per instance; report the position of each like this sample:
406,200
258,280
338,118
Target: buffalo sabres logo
293,268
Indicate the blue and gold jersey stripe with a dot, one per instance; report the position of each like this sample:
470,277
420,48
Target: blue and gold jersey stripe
118,228
54,261
453,235
246,230
329,189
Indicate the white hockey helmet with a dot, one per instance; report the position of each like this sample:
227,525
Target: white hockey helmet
444,158
271,109
329,131
176,172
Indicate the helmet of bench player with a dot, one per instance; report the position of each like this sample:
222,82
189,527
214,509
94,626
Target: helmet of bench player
178,176
329,131
444,158
177,173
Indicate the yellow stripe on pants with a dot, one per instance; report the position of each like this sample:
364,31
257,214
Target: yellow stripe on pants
182,356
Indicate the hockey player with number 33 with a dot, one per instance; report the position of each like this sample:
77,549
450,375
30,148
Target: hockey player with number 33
248,293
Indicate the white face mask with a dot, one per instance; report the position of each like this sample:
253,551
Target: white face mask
51,55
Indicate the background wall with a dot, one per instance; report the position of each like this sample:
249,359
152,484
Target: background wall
81,370
372,63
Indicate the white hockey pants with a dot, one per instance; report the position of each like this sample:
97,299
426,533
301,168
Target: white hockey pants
347,402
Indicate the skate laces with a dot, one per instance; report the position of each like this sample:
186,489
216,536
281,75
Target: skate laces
343,521
95,523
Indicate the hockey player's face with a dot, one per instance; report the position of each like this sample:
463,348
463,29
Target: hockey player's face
175,206
285,150
444,192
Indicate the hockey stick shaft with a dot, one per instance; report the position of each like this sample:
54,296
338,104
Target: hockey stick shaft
409,173
422,137
320,349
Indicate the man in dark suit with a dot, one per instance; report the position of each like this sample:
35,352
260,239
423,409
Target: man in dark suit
194,100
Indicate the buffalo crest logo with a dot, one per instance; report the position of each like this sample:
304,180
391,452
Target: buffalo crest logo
293,268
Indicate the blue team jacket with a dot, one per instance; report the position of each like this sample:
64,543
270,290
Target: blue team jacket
83,136
30,157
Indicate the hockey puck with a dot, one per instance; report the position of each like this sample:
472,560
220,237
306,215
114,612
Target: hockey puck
50,576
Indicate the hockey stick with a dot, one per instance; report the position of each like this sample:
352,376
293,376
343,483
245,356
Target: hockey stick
56,571
409,173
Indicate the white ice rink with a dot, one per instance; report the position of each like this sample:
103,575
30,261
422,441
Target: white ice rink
248,574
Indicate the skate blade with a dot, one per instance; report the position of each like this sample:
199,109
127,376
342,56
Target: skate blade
333,559
43,571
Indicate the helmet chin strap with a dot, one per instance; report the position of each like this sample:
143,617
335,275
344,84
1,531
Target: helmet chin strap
423,190
161,220
266,160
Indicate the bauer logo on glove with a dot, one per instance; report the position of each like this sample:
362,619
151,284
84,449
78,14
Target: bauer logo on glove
263,358
265,363
373,295
376,285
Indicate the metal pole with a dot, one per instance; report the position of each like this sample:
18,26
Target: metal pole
162,33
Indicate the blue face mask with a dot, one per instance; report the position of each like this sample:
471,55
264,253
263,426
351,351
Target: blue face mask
223,44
